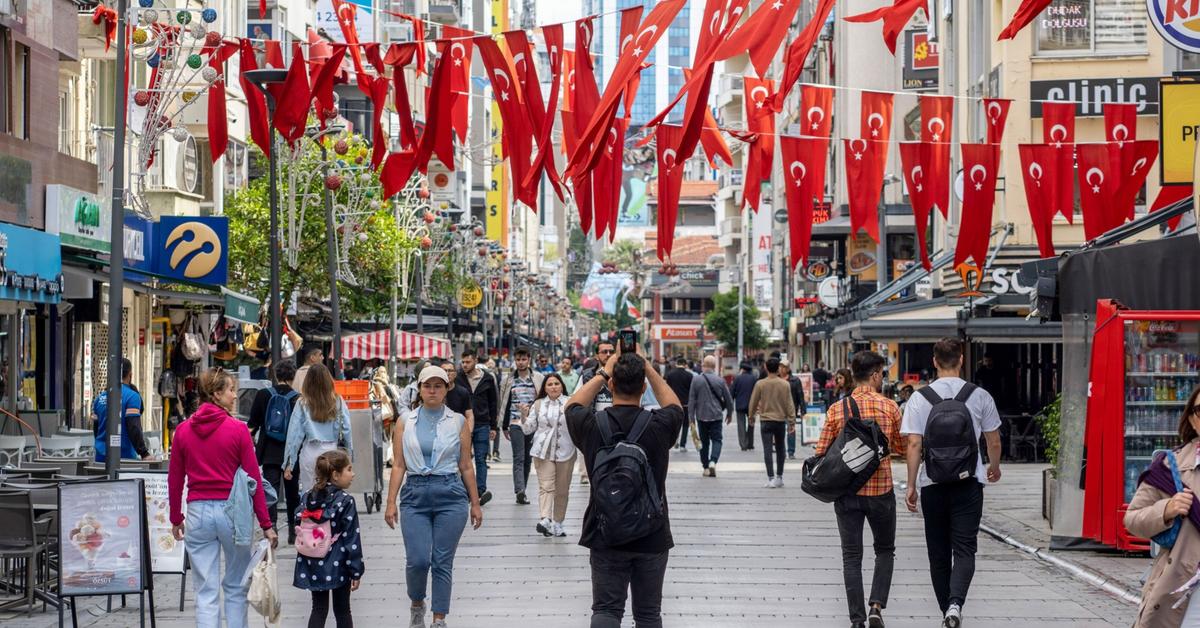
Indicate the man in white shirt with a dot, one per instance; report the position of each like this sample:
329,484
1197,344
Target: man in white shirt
952,510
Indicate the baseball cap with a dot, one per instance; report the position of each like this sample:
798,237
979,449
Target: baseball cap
433,372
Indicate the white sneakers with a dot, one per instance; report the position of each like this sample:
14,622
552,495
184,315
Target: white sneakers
545,527
774,483
416,617
779,482
558,529
953,617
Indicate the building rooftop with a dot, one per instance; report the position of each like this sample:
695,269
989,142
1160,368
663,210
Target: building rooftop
691,190
689,250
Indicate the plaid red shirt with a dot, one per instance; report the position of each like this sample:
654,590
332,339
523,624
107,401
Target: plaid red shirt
873,407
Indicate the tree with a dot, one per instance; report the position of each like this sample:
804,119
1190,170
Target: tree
626,255
722,321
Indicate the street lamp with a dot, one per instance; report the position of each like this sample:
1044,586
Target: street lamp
262,79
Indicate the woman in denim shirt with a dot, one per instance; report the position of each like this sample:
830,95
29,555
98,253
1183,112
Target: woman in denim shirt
320,422
431,446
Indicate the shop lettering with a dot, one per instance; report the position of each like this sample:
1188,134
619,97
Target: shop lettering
1073,9
1090,95
1065,23
1190,132
1003,282
1181,10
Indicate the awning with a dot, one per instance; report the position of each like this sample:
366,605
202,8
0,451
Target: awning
373,345
1013,330
240,307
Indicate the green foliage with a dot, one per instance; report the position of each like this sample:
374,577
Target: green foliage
626,255
723,318
372,258
1048,421
608,322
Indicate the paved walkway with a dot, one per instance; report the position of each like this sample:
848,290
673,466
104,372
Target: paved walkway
744,556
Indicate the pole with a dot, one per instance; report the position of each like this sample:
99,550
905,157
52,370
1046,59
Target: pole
741,294
392,362
331,264
881,266
420,299
116,259
273,184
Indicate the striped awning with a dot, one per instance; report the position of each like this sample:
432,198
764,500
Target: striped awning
374,345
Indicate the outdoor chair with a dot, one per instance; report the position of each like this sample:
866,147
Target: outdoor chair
61,446
12,450
21,546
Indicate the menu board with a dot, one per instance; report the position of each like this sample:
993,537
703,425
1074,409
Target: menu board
101,537
166,554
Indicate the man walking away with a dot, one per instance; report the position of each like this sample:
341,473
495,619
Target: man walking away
270,414
743,387
484,403
875,501
935,422
516,398
785,371
771,401
708,402
680,380
639,563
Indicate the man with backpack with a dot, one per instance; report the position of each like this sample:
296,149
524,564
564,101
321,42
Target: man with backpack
626,450
943,423
875,502
708,402
269,417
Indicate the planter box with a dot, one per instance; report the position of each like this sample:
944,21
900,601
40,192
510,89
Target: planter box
1049,493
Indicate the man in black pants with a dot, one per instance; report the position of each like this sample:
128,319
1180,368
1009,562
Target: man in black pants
952,510
743,387
680,380
772,403
640,564
270,450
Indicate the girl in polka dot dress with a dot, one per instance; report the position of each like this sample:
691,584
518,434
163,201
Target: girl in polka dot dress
328,533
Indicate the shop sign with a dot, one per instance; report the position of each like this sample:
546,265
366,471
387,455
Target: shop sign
192,248
920,61
240,308
1178,22
30,265
1090,94
678,333
828,292
442,188
1005,280
817,270
470,295
327,18
78,217
822,212
860,257
1178,127
102,538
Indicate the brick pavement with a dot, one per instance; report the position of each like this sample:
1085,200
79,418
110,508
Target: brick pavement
744,556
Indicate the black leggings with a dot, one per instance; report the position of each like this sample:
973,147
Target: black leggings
773,434
341,608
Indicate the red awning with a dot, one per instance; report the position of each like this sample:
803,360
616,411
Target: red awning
374,345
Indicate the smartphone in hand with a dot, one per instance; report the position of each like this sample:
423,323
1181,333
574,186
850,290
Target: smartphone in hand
628,339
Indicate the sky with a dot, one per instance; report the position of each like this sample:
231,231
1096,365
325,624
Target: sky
552,11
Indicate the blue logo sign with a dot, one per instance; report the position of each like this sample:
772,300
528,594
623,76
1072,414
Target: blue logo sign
30,265
194,249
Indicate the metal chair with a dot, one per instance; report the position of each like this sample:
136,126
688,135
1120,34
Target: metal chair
21,542
61,446
12,450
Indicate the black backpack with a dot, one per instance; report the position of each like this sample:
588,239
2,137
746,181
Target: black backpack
850,461
625,496
951,449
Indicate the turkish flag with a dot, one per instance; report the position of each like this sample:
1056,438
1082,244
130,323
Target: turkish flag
344,11
916,179
798,50
980,165
460,77
1041,183
256,102
876,127
996,111
438,136
630,18
398,57
291,111
1169,195
1120,123
761,34
816,110
1135,159
862,169
719,20
937,121
1058,130
606,195
322,86
517,134
1028,10
1099,182
218,120
583,96
534,109
713,142
544,162
396,171
591,146
670,180
760,121
804,180
894,18
694,116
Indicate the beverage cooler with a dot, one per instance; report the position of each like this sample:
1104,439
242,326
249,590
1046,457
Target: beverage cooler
1144,366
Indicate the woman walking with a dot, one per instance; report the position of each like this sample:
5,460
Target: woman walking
553,454
320,422
432,448
1160,505
213,455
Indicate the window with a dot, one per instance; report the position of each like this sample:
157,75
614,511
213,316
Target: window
5,92
235,166
1189,60
20,92
1073,27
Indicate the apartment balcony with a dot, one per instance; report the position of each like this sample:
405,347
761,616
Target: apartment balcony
729,92
730,186
444,11
730,233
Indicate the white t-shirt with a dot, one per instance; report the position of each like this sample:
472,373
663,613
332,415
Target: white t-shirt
983,411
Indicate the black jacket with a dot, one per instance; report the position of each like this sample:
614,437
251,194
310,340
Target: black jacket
680,381
797,395
485,400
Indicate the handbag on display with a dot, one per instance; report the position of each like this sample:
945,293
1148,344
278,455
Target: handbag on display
191,343
222,344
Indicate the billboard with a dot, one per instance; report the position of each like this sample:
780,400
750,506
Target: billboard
602,291
364,20
634,210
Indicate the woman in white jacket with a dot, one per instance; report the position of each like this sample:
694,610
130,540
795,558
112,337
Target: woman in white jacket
553,453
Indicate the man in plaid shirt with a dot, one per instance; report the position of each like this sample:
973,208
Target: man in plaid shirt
875,502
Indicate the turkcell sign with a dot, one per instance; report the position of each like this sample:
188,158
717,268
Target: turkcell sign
1178,21
1091,94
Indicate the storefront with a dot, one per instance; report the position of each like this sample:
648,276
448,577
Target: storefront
30,289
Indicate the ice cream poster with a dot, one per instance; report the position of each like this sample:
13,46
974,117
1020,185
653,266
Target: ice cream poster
101,527
166,554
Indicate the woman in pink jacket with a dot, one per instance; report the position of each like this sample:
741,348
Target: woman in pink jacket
207,451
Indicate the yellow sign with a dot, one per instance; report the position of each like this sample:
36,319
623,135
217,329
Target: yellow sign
1179,124
470,295
496,196
199,245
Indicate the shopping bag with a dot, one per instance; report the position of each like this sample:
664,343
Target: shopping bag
263,594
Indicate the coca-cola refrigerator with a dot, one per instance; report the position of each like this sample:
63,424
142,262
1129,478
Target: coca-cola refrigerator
1144,365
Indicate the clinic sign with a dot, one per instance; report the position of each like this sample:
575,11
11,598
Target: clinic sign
1091,94
1178,21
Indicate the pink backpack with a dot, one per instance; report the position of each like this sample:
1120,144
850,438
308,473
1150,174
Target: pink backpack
314,539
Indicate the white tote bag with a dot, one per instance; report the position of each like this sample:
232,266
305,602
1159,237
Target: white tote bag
263,594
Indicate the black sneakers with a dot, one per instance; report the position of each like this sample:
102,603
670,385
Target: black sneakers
521,499
485,498
875,617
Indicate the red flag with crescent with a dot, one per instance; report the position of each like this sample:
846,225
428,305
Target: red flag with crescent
544,161
1058,130
630,18
917,180
1098,186
517,134
894,18
937,121
996,112
816,110
876,126
344,12
804,180
1120,123
1135,159
583,96
670,180
980,165
761,34
797,51
606,195
1038,164
864,195
1028,10
760,123
460,77
256,102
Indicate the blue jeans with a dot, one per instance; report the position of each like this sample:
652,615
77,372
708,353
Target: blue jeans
522,461
480,440
208,534
433,513
791,441
712,435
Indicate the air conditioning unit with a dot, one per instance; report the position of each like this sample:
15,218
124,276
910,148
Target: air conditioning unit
10,8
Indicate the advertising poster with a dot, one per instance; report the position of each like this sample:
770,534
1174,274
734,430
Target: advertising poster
166,554
364,20
1178,130
760,269
633,210
601,292
101,534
